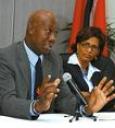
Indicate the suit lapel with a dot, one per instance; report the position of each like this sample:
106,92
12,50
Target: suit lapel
46,66
77,76
50,66
96,78
24,66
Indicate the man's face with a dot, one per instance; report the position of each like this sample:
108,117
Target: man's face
43,35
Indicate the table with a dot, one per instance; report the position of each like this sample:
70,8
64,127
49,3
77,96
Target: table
104,120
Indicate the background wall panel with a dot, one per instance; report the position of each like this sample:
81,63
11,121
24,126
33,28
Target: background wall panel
14,15
62,8
6,22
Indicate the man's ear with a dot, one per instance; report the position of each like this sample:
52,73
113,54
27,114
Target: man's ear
31,29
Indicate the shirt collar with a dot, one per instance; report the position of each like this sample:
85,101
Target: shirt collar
33,58
91,71
73,59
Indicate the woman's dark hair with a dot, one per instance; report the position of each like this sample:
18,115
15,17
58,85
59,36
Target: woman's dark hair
86,33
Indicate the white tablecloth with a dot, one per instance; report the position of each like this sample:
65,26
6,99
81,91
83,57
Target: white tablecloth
104,120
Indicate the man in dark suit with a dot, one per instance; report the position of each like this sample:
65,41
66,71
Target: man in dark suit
20,95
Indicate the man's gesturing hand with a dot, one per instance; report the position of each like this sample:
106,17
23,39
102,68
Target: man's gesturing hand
46,92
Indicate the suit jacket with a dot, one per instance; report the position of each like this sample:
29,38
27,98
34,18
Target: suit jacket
15,79
107,68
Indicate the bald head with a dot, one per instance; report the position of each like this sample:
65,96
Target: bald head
40,16
40,28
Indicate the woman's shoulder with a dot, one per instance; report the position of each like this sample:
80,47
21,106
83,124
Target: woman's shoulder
65,57
103,61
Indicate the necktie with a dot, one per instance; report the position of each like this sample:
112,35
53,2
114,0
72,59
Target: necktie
38,76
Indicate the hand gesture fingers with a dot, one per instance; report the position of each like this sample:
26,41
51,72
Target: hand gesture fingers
107,86
47,92
102,82
48,87
111,97
109,91
49,97
101,95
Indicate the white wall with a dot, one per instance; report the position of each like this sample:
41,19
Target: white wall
6,22
14,14
110,11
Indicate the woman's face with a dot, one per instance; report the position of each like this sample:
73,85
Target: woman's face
88,49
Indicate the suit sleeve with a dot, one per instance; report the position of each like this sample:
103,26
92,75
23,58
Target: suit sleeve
10,103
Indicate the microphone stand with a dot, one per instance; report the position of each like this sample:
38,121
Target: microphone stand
78,114
79,98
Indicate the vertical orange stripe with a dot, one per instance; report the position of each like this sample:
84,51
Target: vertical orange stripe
99,20
99,17
78,19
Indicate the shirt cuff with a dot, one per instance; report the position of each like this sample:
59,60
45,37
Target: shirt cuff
83,111
33,112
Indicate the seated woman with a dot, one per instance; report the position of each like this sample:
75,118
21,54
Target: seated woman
86,65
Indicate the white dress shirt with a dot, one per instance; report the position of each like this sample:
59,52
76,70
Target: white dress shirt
33,58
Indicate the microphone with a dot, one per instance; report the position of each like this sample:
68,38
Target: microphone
73,87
